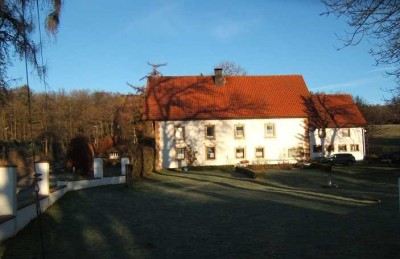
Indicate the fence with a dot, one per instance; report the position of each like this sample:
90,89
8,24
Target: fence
14,216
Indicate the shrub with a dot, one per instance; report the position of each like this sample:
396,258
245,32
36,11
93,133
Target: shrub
142,160
80,155
190,156
148,160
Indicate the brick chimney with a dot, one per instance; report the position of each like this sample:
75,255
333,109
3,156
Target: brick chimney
218,78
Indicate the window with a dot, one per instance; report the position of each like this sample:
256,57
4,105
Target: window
354,147
345,132
317,148
239,131
269,130
330,148
259,152
342,148
179,132
210,131
239,152
210,153
180,153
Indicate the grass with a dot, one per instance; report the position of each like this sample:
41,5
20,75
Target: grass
220,213
384,139
391,131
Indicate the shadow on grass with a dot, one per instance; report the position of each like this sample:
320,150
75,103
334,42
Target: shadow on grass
176,215
276,186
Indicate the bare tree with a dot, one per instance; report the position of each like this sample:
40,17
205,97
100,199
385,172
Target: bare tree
375,20
154,70
18,20
231,69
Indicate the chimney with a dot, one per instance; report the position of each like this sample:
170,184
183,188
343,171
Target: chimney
218,78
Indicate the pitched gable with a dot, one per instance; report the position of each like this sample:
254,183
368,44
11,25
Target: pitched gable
240,97
335,111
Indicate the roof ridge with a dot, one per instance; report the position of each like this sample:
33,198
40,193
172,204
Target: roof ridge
278,75
333,94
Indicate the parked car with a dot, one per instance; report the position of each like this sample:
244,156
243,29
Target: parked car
343,158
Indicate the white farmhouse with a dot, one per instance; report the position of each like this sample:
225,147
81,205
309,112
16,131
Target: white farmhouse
229,119
336,126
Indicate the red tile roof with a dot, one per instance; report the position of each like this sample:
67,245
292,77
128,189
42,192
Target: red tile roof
335,110
197,97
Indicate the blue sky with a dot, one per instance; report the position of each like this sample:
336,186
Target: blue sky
102,45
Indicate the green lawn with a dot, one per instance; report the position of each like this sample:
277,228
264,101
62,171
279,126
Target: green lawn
222,214
383,139
391,130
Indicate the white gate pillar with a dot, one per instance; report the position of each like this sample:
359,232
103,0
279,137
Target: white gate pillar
43,168
124,162
8,190
98,167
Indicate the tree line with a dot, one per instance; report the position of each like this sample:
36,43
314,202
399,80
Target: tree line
63,115
58,117
379,114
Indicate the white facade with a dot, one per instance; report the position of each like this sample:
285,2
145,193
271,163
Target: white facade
338,140
230,141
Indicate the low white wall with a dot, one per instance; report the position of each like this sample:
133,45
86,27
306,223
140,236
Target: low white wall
83,184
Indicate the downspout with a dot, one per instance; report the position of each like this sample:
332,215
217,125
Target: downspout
364,144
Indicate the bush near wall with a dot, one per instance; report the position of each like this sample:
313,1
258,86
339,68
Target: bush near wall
148,160
142,161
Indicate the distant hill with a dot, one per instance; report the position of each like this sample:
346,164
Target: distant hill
383,139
